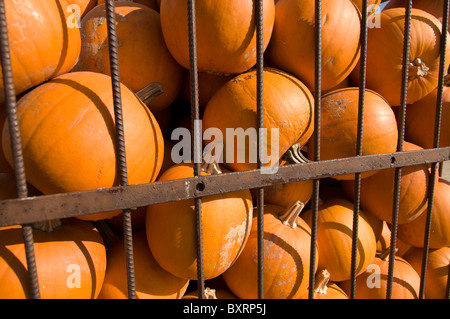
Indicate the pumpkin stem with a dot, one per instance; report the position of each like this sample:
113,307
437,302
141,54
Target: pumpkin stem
322,279
289,218
47,226
210,168
109,236
150,92
384,255
294,155
210,293
417,69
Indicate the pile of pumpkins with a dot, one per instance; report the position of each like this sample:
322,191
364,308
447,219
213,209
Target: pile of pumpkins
61,71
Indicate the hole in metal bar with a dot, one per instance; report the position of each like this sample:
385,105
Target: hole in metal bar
200,187
393,159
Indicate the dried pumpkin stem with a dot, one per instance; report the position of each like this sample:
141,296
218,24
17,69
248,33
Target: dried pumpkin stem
321,283
418,69
210,168
289,218
384,255
150,92
210,293
294,155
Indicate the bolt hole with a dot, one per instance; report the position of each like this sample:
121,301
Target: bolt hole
392,159
200,187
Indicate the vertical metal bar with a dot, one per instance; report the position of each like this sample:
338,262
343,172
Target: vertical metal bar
120,141
434,166
260,147
315,201
196,142
359,144
16,146
401,138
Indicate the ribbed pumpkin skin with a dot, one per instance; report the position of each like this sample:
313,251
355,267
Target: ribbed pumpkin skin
377,191
405,284
42,45
339,122
291,47
334,238
413,233
171,234
437,270
152,281
226,33
143,55
385,52
286,259
68,135
74,250
288,107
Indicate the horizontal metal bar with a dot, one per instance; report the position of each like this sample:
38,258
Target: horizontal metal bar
39,208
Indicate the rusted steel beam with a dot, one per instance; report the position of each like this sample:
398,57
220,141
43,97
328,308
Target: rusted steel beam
33,209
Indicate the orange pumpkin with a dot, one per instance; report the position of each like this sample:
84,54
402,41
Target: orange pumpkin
68,136
170,227
70,261
372,284
225,30
42,45
292,46
377,191
152,281
385,55
288,112
287,243
413,232
339,121
372,5
334,238
437,270
143,55
433,7
421,116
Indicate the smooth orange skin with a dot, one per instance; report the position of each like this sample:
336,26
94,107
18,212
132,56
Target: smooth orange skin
333,292
437,270
377,191
68,136
286,260
152,281
42,46
143,55
154,4
385,55
76,243
334,238
359,4
285,194
288,107
226,33
405,284
171,232
292,45
421,117
339,122
413,232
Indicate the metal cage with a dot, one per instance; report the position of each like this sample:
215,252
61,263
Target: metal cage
26,210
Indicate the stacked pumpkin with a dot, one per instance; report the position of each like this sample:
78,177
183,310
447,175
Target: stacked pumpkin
66,119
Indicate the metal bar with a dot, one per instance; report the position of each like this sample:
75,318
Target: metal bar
64,205
401,138
435,166
196,142
317,102
359,147
260,145
120,142
16,147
